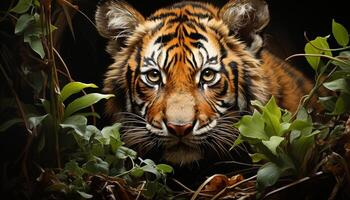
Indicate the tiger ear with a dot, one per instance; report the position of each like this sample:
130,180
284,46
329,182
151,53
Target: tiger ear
116,20
246,18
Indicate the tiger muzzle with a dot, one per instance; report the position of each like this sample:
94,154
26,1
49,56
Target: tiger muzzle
180,114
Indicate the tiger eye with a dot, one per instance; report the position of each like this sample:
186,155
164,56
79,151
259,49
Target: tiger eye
153,76
208,75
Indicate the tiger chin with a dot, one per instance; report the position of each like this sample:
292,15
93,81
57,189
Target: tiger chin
183,75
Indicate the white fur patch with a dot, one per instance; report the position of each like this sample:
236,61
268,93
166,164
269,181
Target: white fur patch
204,129
239,15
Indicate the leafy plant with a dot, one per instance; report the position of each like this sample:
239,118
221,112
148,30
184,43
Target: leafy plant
89,162
295,145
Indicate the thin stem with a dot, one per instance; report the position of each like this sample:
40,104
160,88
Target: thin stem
233,186
75,8
317,55
64,64
55,104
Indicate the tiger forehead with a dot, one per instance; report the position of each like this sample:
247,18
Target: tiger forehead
187,9
181,36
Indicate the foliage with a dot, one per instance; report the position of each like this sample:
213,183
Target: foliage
296,145
59,124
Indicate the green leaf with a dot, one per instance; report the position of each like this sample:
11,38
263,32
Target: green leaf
342,105
328,102
287,116
6,125
124,152
316,46
340,33
149,162
36,44
84,101
237,142
271,115
109,132
294,134
302,114
92,131
156,190
299,125
273,108
34,29
73,168
137,172
338,85
23,22
36,3
84,195
300,146
115,144
267,175
252,126
284,127
58,187
97,149
35,121
345,57
76,122
151,169
273,143
164,168
22,6
74,87
46,104
90,114
97,165
257,157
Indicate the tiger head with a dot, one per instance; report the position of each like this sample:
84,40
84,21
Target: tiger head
183,75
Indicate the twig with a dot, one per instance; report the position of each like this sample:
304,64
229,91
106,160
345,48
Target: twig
77,9
64,64
141,189
307,98
199,189
183,186
232,186
291,185
316,55
55,105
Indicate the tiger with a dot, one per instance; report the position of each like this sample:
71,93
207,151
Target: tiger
185,74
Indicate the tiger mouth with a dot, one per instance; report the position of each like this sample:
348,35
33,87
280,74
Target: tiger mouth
214,138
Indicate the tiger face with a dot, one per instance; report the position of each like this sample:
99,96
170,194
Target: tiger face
183,75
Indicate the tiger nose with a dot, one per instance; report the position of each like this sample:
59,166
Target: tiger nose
180,130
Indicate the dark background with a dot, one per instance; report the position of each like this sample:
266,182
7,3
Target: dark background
88,60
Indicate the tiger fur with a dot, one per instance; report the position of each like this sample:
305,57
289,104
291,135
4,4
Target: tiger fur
185,74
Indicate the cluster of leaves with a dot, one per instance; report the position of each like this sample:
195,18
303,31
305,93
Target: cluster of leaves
99,152
29,24
295,145
85,155
336,67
